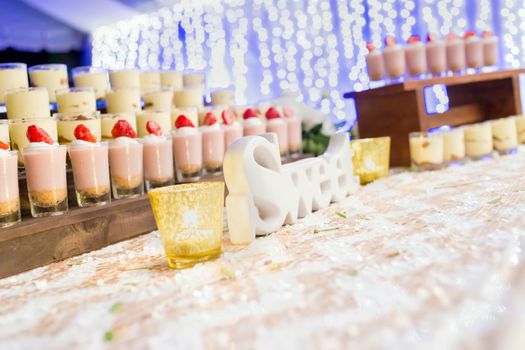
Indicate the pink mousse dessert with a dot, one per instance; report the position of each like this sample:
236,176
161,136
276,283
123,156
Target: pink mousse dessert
252,125
125,162
455,48
415,56
277,125
90,163
158,157
436,54
490,49
212,144
295,132
45,165
9,196
473,51
374,63
187,149
394,58
232,128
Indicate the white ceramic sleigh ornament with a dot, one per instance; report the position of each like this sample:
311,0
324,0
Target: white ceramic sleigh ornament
263,194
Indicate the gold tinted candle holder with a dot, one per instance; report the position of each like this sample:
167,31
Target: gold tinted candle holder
190,220
371,158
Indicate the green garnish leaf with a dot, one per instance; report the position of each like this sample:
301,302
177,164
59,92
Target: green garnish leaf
494,201
353,273
338,213
116,308
108,336
228,273
325,230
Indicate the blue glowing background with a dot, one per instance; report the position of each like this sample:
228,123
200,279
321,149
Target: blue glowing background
314,47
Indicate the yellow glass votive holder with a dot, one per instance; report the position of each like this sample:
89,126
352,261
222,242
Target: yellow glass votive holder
371,158
190,220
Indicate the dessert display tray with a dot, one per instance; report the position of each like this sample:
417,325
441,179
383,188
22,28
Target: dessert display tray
37,242
398,109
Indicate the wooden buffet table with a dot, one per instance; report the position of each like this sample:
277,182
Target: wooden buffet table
412,261
396,110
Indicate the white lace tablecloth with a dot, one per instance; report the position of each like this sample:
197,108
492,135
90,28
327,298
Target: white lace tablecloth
417,260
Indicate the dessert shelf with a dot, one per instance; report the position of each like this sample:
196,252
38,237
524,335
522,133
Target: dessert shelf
398,109
37,242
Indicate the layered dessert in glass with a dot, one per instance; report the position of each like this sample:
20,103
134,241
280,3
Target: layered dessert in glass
374,63
455,48
70,124
436,55
212,144
277,125
149,81
454,146
12,76
232,128
295,132
171,79
45,166
27,103
195,80
109,120
126,162
490,49
18,130
192,113
188,97
158,157
473,51
223,97
123,100
76,100
478,140
215,110
187,150
90,163
504,135
520,128
161,118
91,77
252,124
5,142
50,76
426,150
415,56
394,58
160,100
125,79
9,195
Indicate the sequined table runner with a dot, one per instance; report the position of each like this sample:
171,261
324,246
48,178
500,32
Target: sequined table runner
416,260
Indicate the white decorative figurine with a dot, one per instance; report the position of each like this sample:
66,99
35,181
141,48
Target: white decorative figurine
263,194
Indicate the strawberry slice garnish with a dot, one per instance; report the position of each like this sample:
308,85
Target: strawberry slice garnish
4,146
228,117
469,34
272,113
452,36
287,112
123,128
209,119
431,37
154,128
37,134
370,47
413,39
249,113
183,121
390,41
83,133
486,34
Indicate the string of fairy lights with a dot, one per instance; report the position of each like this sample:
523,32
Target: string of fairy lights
313,47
